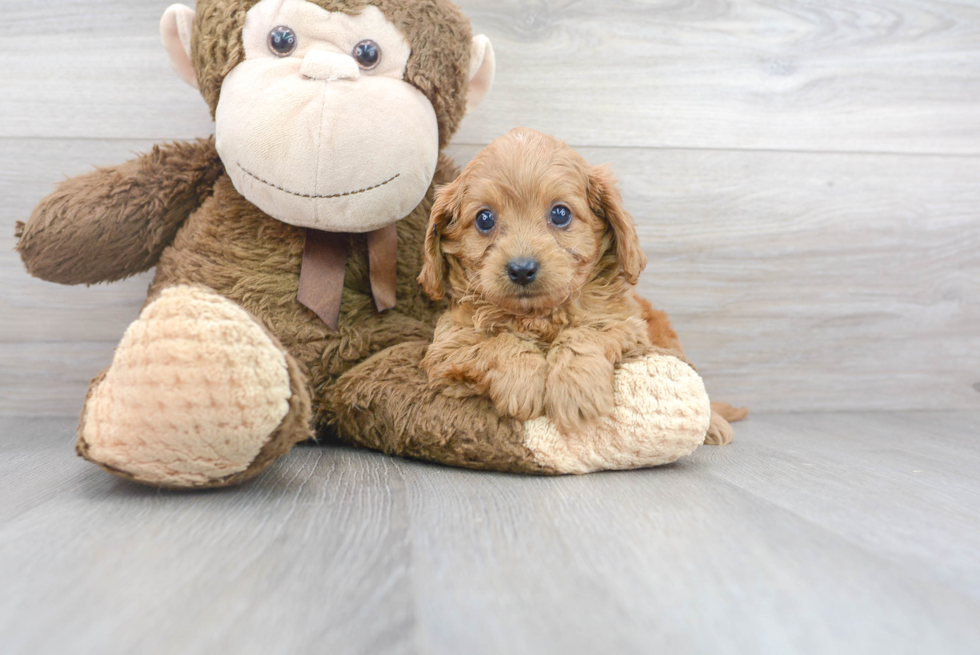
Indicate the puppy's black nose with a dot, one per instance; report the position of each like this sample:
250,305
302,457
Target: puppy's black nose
523,271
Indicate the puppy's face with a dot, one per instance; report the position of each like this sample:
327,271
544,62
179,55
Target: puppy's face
524,235
525,226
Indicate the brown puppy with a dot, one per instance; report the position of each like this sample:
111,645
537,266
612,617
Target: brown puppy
540,260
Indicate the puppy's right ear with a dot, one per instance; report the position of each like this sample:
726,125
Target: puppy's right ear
444,210
607,203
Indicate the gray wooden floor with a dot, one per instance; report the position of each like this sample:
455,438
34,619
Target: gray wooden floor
831,533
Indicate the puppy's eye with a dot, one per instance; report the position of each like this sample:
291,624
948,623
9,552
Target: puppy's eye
486,221
561,216
282,41
367,54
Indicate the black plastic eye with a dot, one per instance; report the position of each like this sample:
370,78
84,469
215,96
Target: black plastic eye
367,54
561,216
282,41
486,221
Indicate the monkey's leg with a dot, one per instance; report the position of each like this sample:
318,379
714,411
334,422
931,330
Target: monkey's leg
662,413
662,335
387,404
198,395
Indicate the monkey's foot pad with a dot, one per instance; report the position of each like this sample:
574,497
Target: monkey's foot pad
197,389
662,414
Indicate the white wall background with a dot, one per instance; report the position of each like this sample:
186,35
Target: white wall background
806,176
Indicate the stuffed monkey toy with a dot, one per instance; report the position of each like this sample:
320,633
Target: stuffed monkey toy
285,304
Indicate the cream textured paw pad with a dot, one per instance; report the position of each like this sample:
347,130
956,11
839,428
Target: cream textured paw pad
195,390
662,414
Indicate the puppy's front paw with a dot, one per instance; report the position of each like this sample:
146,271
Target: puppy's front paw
519,389
579,390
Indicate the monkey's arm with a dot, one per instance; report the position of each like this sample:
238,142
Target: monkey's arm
115,222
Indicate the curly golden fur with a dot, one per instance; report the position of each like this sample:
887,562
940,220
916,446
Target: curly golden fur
548,346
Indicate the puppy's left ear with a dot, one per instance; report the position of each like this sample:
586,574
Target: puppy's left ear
607,203
433,277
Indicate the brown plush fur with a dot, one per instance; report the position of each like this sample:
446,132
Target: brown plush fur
437,32
549,347
235,249
116,222
390,405
176,208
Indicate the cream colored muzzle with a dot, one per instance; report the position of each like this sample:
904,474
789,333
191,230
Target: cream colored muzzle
329,67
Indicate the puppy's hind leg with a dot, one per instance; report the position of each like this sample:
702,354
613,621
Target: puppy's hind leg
720,432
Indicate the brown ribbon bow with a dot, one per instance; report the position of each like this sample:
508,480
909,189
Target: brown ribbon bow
321,280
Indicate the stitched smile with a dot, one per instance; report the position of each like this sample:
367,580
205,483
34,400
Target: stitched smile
318,197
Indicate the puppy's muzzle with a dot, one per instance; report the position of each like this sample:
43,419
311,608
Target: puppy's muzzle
523,271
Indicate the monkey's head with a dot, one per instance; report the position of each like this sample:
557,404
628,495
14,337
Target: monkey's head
330,114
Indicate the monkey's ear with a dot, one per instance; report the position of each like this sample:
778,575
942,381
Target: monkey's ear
176,29
607,203
433,277
483,67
